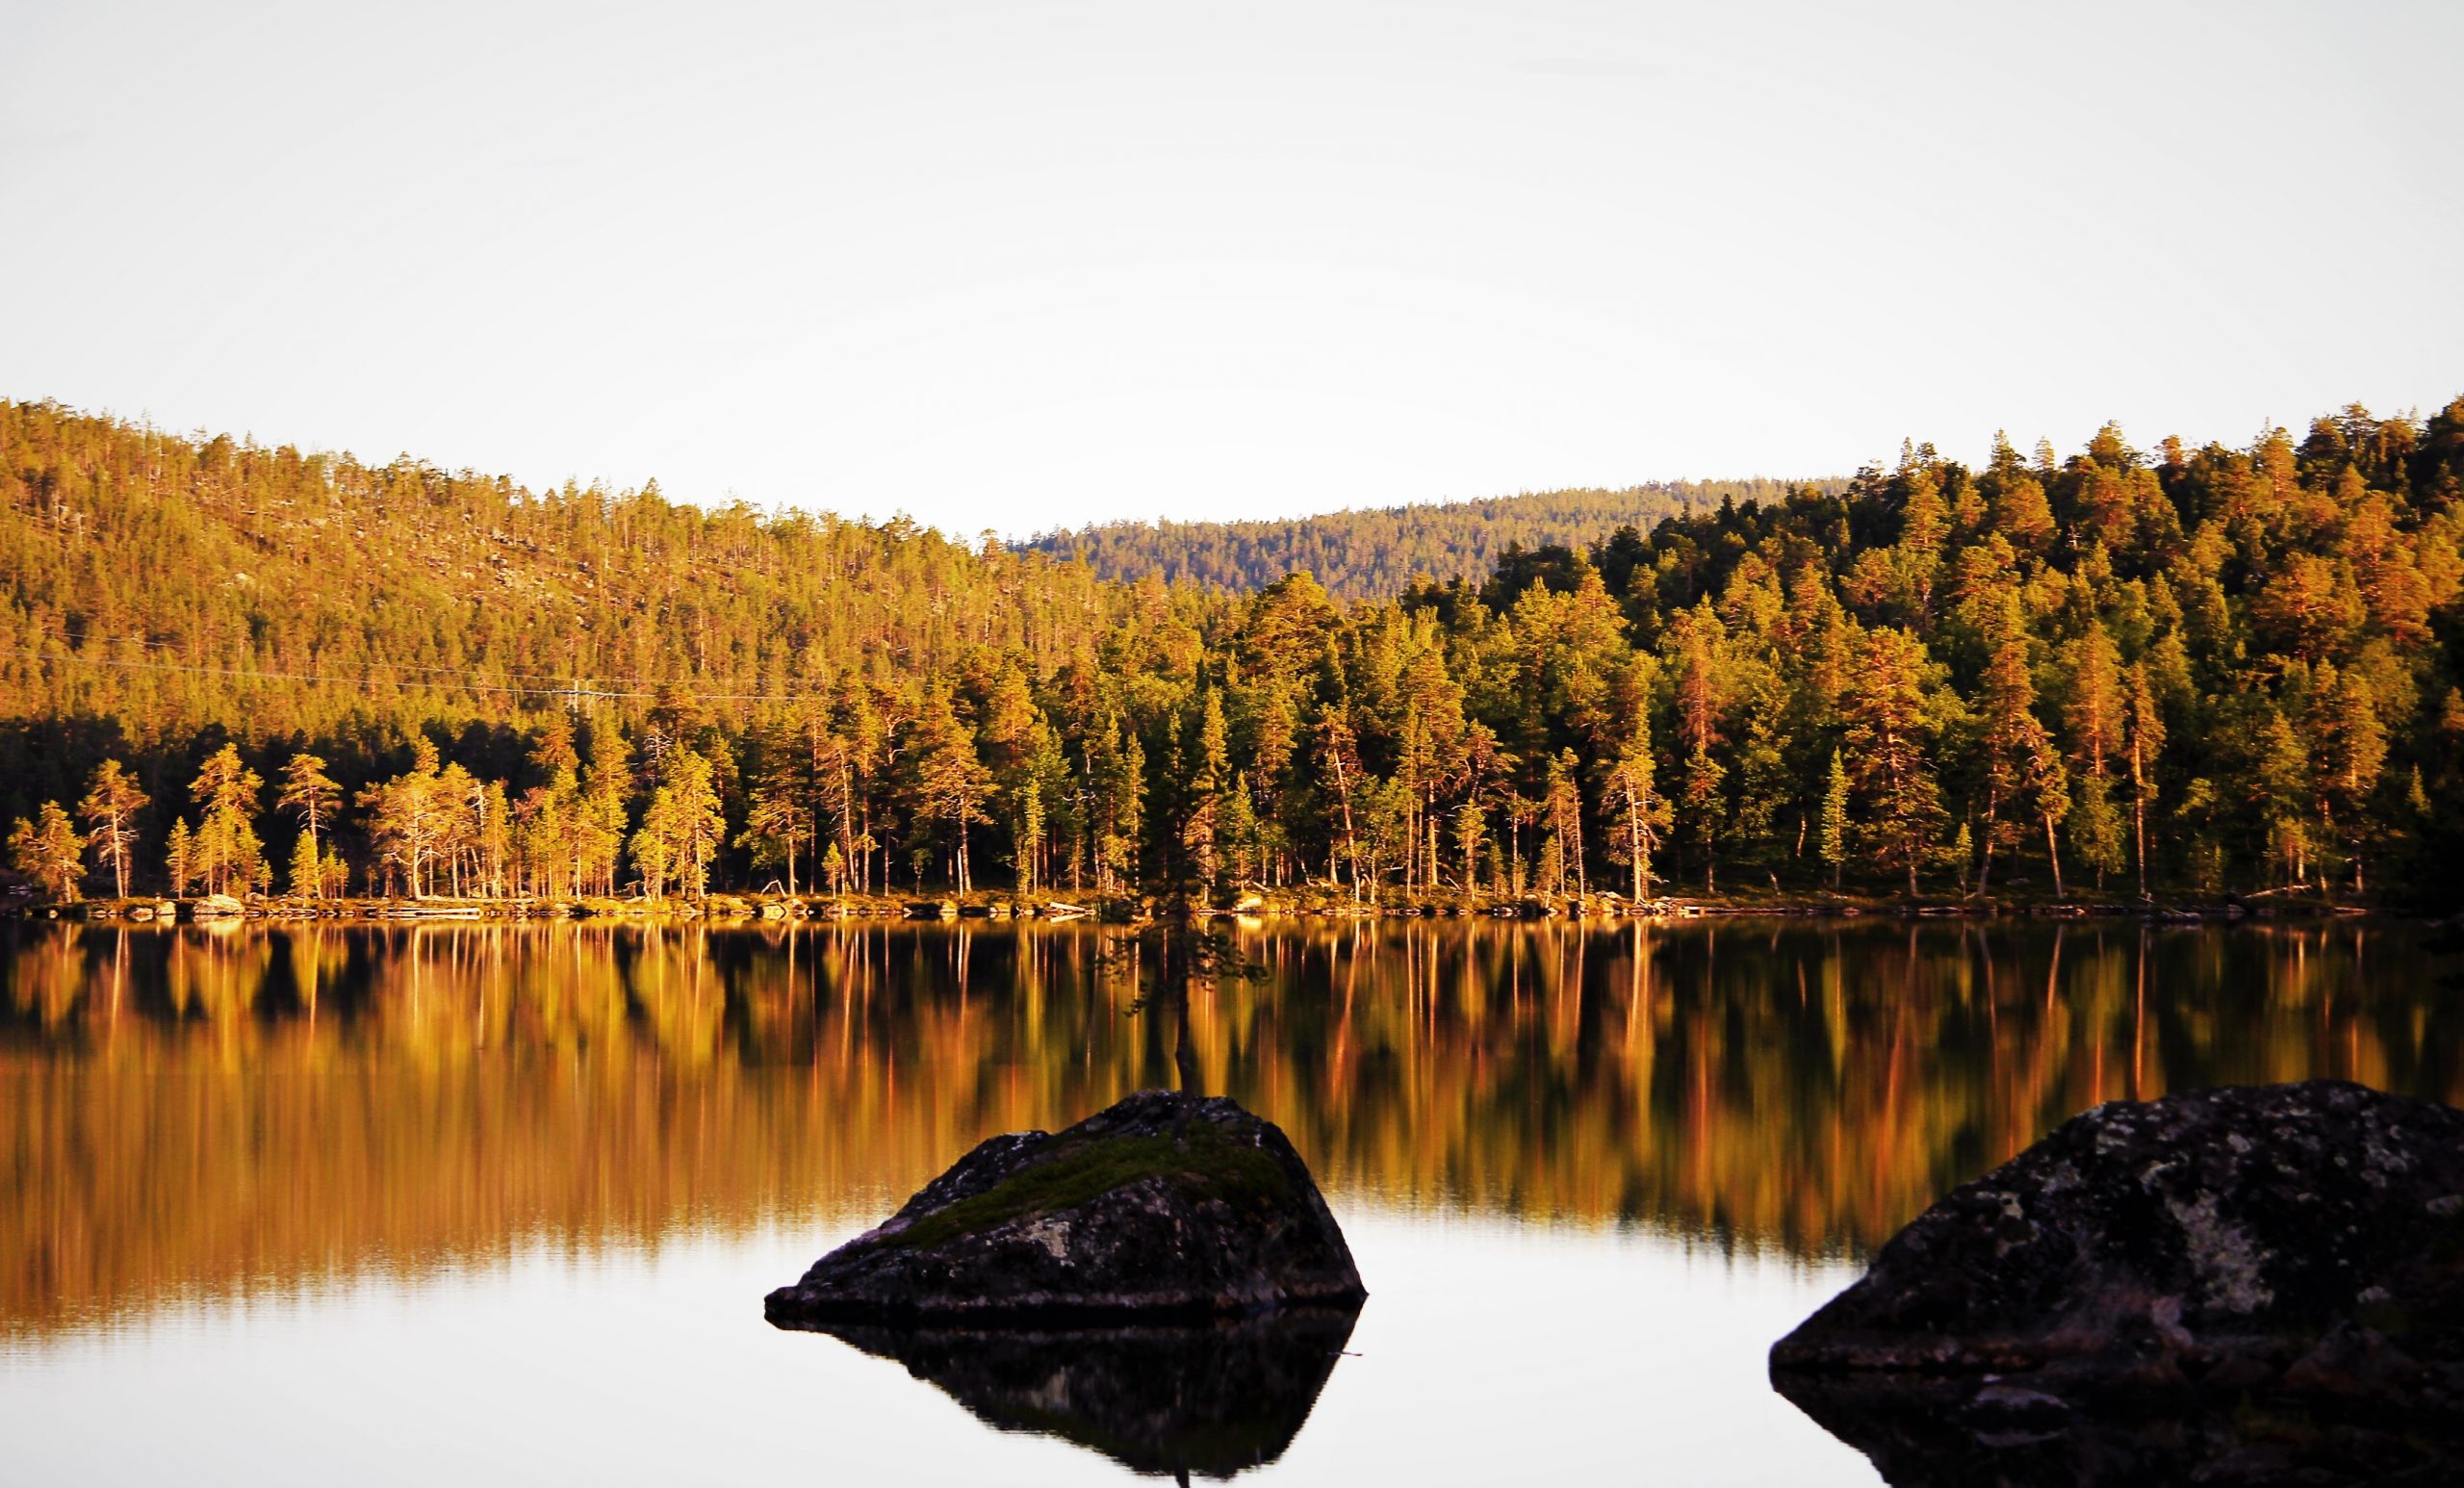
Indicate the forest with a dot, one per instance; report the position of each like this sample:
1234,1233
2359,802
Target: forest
1376,553
2179,673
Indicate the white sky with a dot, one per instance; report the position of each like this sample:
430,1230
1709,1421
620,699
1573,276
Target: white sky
1015,265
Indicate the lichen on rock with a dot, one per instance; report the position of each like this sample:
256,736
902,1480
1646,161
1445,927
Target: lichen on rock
1163,1205
2291,1255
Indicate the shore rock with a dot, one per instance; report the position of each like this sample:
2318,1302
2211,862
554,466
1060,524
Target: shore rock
2266,1283
1160,1207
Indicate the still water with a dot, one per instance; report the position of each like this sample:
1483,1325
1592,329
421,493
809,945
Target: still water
482,1204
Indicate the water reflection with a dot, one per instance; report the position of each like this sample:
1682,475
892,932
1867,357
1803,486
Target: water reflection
199,1112
1931,1434
1203,1400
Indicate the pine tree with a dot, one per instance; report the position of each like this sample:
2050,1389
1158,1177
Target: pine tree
2283,788
179,856
1029,835
1203,797
1337,752
1643,811
310,793
2146,746
2095,827
2096,714
2015,740
1888,733
227,852
110,805
949,784
682,828
2045,786
406,820
1831,843
307,869
777,819
49,850
2349,755
1563,800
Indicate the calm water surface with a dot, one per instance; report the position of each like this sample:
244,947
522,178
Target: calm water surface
478,1204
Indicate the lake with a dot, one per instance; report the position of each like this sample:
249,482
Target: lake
307,1203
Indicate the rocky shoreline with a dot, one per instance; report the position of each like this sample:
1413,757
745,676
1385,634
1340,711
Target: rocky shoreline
780,908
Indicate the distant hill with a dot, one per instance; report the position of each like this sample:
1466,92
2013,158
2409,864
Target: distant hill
1376,553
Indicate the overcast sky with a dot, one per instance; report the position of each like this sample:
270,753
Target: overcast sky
1016,265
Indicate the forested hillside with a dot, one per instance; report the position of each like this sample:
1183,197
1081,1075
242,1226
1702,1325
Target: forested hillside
1375,554
2207,669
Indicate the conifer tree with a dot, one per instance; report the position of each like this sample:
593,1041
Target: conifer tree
110,805
1831,843
307,868
949,784
2015,741
777,819
2349,755
2147,722
1886,749
227,852
682,827
179,856
1338,753
407,821
1644,812
49,850
311,794
2096,712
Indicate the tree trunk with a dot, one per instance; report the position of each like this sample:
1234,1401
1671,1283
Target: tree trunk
1985,867
1635,846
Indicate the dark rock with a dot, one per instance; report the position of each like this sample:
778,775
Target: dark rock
1208,1400
1161,1207
2253,1285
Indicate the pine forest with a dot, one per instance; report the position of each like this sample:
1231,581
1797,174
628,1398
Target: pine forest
2113,674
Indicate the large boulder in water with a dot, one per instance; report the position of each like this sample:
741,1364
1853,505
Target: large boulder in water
1163,1206
2265,1283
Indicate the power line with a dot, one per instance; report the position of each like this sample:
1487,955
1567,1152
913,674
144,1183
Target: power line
90,637
572,690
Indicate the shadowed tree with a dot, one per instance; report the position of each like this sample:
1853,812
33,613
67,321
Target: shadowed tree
1887,750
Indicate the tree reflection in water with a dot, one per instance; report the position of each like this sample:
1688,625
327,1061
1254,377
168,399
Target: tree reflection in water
206,1111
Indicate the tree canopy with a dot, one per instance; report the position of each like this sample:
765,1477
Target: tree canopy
2192,670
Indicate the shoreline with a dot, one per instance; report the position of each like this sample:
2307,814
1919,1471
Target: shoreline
780,909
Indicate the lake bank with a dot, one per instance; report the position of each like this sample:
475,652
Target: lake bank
1308,902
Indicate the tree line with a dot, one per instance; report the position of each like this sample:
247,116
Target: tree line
2178,671
1378,552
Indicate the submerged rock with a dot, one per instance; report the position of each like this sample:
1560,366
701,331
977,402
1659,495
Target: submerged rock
1160,1207
1208,1400
2267,1283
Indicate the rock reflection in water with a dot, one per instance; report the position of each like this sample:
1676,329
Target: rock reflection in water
1931,1435
1202,1400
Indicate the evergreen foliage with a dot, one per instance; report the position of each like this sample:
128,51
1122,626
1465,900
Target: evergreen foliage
2195,670
1379,552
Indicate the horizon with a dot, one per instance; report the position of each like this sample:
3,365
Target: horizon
1024,538
1035,271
